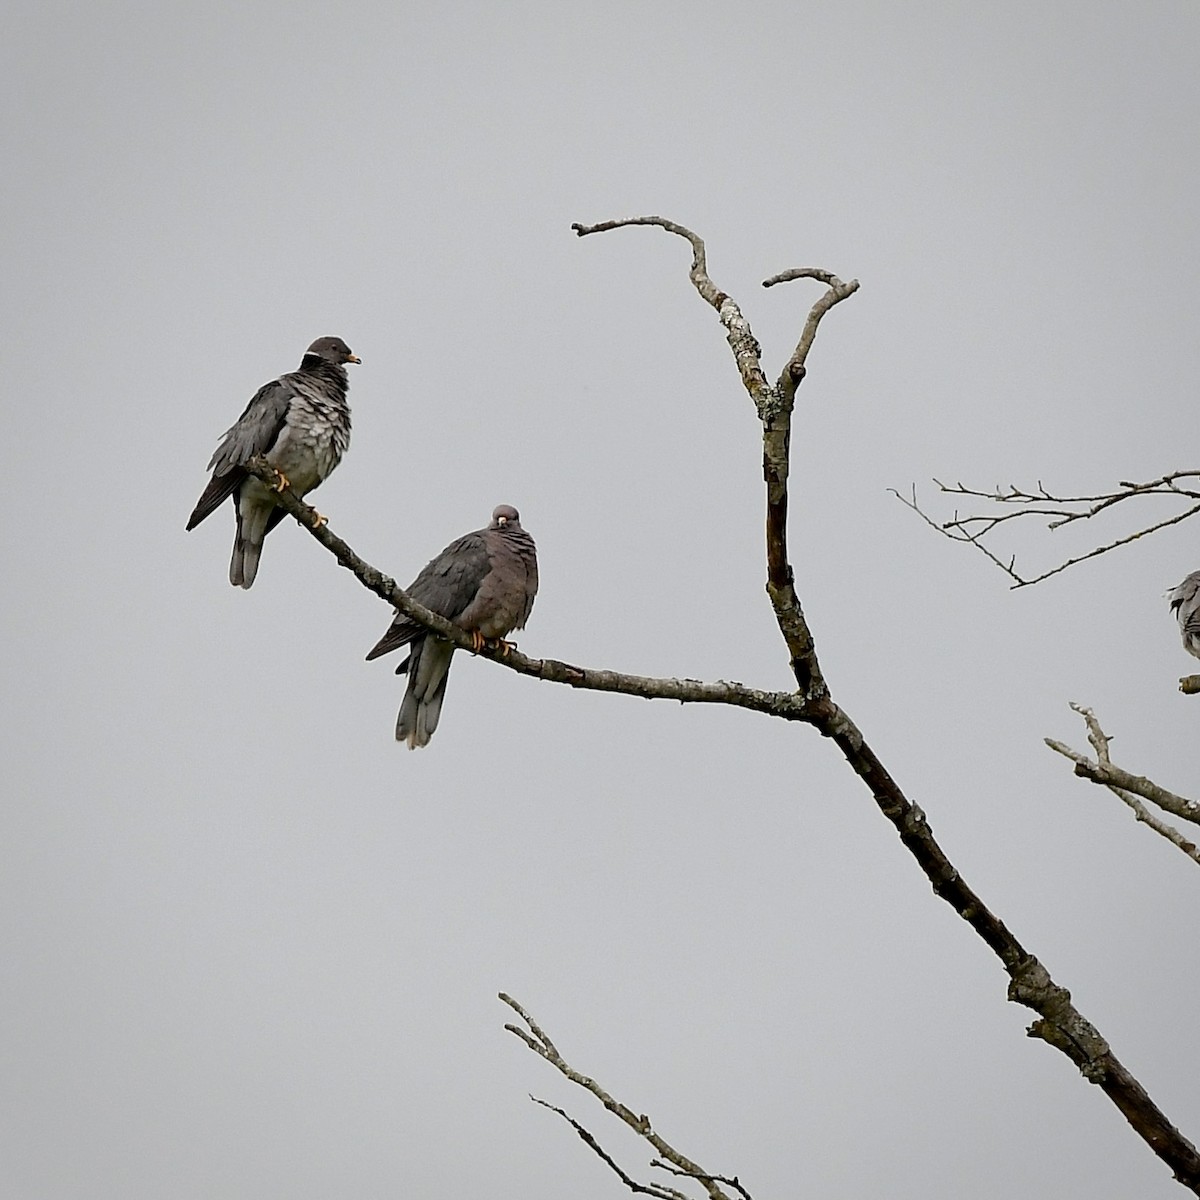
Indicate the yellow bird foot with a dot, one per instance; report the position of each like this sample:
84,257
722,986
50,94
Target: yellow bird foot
318,519
281,481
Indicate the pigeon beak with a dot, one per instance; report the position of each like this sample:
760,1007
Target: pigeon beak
354,358
501,521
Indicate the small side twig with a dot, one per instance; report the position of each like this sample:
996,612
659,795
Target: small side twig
795,368
1055,512
733,1183
1007,567
1127,787
536,1039
648,1189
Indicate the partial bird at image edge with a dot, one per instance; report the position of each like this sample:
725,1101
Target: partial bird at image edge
1185,604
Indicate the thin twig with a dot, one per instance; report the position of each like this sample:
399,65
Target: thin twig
1128,787
745,347
648,1189
733,1183
1113,545
974,540
1056,512
796,366
539,1043
1140,811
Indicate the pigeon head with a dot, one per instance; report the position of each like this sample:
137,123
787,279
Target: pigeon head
505,514
332,350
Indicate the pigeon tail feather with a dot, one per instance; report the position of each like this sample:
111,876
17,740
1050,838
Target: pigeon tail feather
421,708
243,566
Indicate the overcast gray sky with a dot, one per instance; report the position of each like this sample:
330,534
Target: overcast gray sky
250,945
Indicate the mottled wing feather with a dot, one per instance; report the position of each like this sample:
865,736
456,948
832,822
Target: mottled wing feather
254,433
256,429
447,585
1191,620
1184,596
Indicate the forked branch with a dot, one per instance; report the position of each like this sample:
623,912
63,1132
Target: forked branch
774,403
1128,787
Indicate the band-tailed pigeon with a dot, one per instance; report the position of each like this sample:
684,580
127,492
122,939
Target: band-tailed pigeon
301,422
485,583
1185,604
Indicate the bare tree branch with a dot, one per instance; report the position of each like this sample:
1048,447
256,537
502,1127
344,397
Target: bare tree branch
1104,771
746,350
911,502
648,1189
794,371
1128,787
785,705
1056,512
774,405
537,1041
1059,1023
733,1183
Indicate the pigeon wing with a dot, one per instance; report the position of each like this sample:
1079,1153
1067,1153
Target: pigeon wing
254,433
447,585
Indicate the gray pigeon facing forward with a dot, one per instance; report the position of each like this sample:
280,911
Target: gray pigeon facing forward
301,422
485,583
1185,604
